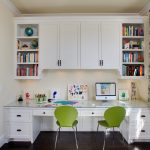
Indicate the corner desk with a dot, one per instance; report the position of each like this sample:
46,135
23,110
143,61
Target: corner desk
23,121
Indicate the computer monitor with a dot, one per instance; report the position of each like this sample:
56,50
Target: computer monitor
105,90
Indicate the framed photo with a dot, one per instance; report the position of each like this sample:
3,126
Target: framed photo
123,95
77,92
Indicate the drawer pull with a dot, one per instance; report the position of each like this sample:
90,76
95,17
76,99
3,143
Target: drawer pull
92,113
18,130
44,112
142,130
143,116
18,115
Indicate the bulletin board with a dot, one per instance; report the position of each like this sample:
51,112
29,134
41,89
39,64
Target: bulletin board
77,92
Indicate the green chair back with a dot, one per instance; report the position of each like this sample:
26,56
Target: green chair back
66,115
114,116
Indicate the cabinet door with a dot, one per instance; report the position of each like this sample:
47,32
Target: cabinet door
90,45
110,45
48,33
69,45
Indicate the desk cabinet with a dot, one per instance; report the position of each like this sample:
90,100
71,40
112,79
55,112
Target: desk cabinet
137,125
18,123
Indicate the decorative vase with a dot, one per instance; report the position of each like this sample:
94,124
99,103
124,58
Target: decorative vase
28,31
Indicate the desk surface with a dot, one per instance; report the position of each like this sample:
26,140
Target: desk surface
83,104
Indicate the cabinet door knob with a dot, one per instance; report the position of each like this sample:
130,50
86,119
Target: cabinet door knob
143,116
60,62
92,113
44,112
142,130
102,62
18,130
18,115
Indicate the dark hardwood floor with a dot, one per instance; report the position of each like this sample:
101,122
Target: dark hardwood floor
86,141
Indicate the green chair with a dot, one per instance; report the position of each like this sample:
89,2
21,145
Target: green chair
113,117
66,117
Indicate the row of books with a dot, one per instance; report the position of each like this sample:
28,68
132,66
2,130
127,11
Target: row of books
132,70
133,57
131,30
27,71
132,44
27,57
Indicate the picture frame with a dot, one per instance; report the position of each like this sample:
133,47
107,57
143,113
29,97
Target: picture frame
123,95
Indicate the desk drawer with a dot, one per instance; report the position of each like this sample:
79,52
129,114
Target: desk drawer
18,115
140,115
19,130
97,112
139,131
43,112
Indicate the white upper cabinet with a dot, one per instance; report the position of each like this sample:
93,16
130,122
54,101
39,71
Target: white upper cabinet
48,33
90,45
100,45
60,45
110,45
69,42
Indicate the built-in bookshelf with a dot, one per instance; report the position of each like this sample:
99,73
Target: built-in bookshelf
27,54
133,50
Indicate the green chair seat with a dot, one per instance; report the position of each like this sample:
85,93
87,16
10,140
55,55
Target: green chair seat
103,123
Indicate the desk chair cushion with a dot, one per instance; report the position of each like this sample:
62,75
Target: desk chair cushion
66,116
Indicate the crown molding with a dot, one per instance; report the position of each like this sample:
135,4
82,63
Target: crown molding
145,10
12,8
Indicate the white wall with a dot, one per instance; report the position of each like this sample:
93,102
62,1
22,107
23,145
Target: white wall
8,86
59,79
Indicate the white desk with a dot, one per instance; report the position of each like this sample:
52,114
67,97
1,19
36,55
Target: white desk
25,121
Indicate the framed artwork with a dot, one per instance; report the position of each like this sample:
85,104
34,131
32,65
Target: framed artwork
77,92
123,95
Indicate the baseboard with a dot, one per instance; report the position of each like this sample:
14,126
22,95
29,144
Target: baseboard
2,140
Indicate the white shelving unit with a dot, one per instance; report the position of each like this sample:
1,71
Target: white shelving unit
27,52
132,64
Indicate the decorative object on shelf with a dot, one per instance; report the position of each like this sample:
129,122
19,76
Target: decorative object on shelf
28,31
34,44
77,92
133,91
123,95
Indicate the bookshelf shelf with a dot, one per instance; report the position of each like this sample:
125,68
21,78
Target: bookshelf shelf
135,37
25,37
132,51
27,53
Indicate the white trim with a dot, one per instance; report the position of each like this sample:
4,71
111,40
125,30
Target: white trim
2,140
11,7
145,10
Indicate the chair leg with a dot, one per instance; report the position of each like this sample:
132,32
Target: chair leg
113,135
97,127
104,139
56,137
75,137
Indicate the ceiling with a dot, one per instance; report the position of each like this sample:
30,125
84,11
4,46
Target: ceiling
79,6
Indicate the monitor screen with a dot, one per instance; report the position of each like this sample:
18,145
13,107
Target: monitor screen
105,91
